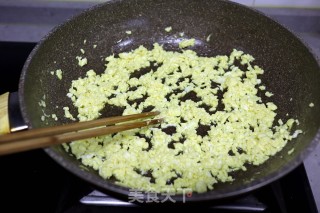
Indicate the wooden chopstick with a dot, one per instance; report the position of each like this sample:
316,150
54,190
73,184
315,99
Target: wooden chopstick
55,130
44,137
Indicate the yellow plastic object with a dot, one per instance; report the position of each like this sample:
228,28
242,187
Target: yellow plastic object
4,119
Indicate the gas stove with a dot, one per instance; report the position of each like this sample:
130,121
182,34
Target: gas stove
32,181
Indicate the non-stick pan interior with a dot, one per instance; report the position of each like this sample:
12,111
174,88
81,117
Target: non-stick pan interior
291,71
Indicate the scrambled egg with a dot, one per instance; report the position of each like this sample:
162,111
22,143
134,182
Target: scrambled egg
186,43
168,29
54,116
58,73
239,127
81,61
208,37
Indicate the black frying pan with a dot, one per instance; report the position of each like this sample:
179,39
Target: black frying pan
291,71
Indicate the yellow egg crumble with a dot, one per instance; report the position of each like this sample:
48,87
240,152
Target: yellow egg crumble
217,122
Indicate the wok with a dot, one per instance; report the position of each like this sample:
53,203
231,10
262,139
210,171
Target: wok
291,72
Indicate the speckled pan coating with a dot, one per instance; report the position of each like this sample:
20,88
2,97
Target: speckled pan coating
291,70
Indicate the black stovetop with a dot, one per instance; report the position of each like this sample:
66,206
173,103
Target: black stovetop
33,182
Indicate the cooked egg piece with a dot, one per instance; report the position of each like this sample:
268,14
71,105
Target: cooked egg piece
214,122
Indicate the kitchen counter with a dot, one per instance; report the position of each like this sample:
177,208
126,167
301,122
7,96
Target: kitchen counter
36,20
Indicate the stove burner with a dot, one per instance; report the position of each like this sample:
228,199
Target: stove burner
248,203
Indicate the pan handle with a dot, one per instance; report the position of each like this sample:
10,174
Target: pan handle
11,119
4,114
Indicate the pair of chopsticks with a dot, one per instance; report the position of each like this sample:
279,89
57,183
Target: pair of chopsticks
48,136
